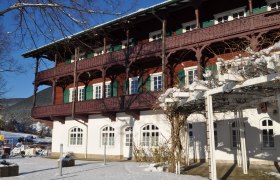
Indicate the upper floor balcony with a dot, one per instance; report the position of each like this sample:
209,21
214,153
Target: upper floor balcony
129,103
232,29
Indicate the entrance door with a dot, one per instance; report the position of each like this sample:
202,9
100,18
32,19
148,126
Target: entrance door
128,139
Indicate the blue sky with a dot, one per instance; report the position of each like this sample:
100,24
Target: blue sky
20,85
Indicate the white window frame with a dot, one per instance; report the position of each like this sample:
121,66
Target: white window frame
108,89
107,136
190,24
150,137
270,2
152,80
157,33
267,128
124,43
229,14
79,98
128,131
75,136
130,84
187,79
107,83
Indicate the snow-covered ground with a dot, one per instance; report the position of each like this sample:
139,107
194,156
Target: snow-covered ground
42,168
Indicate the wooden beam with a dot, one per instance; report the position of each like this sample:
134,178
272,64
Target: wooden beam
134,113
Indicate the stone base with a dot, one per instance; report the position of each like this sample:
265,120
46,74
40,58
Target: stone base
67,163
7,171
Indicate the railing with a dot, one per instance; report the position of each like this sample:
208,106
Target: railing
114,104
213,33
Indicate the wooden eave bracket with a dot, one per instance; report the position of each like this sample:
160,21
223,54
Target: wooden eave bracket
61,119
82,117
111,115
134,113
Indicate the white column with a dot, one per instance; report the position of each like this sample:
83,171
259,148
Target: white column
243,143
211,140
238,149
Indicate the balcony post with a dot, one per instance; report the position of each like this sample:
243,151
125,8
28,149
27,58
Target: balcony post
127,68
77,55
103,83
163,55
250,7
35,85
197,18
53,91
104,45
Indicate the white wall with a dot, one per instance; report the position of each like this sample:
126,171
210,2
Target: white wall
224,151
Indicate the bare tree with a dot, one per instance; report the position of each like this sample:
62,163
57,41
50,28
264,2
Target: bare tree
53,19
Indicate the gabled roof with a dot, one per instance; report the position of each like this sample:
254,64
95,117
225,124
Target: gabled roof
140,12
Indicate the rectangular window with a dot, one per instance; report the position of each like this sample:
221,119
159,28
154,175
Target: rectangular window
80,94
238,15
124,43
128,139
275,5
133,85
157,82
189,26
108,90
191,75
156,35
97,92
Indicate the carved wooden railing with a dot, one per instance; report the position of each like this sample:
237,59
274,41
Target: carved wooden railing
210,34
142,101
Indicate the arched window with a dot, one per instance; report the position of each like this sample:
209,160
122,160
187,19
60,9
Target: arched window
267,133
128,136
150,135
76,136
235,134
108,136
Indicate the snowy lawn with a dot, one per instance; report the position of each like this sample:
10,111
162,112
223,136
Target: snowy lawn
41,168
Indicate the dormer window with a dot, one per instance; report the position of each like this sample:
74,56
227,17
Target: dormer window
156,35
222,19
189,26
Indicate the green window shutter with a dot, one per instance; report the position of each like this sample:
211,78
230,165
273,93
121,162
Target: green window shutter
168,33
140,85
117,47
208,23
66,94
179,31
260,10
212,67
148,84
89,93
68,61
124,87
181,77
115,88
133,42
247,13
90,55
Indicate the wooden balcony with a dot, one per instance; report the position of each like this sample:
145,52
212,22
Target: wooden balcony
232,29
138,102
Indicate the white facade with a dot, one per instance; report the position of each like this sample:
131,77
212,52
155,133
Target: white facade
197,149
